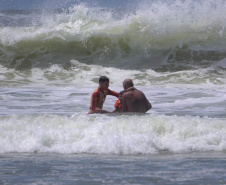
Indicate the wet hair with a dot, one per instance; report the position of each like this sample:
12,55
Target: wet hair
121,92
103,79
128,82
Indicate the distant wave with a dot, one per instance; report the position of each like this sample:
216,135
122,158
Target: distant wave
164,36
81,74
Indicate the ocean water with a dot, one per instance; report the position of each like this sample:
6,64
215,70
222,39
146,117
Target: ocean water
50,63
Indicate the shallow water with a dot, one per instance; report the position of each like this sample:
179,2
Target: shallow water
193,168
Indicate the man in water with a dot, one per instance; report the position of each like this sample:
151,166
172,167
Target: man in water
134,100
99,96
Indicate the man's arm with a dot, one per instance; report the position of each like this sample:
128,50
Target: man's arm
100,111
94,100
113,93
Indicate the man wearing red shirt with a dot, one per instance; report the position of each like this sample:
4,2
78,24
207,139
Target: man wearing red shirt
99,96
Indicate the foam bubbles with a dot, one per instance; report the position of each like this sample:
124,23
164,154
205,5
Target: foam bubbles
116,134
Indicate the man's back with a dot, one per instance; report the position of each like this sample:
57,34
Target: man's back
134,100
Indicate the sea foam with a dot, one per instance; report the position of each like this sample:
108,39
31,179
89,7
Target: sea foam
112,134
178,35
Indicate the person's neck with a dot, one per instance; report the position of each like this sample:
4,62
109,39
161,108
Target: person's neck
130,89
101,89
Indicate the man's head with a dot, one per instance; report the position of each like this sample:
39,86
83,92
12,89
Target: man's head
103,79
104,82
120,95
127,83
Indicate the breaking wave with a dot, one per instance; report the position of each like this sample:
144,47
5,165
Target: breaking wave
160,36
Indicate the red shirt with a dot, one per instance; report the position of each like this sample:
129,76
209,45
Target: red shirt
98,98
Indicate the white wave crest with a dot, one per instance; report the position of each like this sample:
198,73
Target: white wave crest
119,134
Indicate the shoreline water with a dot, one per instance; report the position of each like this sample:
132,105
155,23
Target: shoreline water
193,168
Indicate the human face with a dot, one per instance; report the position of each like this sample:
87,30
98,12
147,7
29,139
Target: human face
104,85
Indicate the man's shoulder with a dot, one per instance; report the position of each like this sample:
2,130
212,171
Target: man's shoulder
127,94
132,92
96,91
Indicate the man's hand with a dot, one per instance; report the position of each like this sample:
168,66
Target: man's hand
100,111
